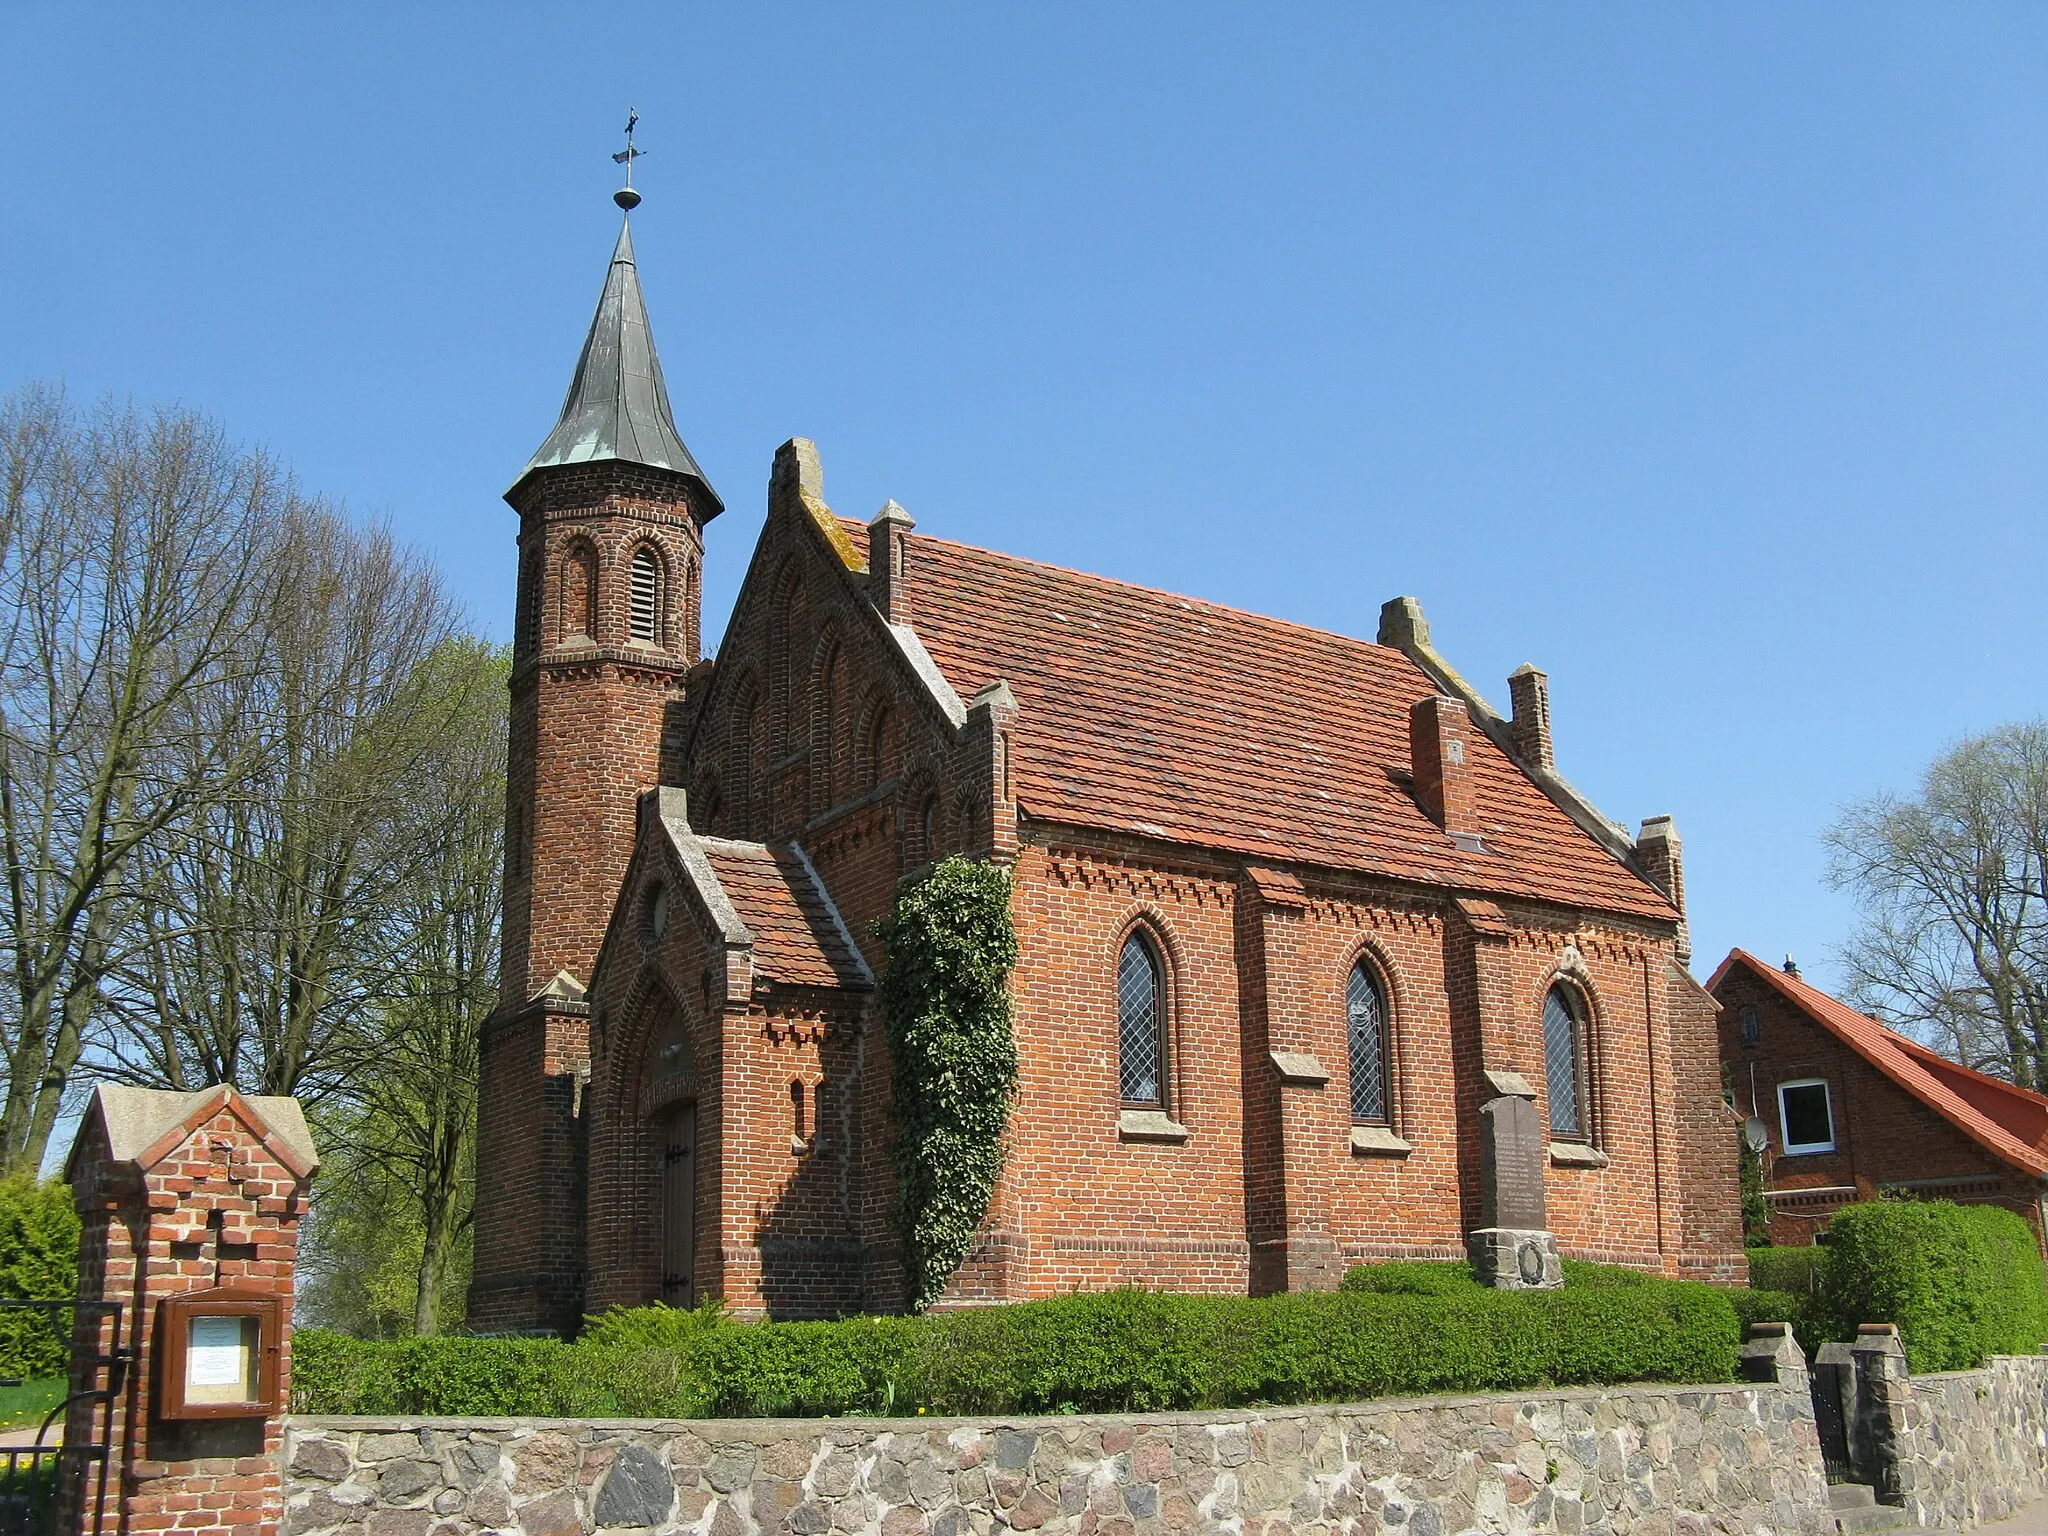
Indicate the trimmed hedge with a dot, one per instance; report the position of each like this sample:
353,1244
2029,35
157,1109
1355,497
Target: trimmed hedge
1112,1351
1962,1282
1787,1269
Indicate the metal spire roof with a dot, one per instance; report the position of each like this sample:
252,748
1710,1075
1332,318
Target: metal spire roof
618,406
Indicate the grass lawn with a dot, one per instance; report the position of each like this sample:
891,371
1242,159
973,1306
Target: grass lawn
27,1403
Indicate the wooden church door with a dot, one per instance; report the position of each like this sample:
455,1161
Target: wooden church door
679,1207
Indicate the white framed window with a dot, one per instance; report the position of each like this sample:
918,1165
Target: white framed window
1806,1116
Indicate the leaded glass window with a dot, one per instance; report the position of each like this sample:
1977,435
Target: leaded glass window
1365,1011
1563,1057
1137,1020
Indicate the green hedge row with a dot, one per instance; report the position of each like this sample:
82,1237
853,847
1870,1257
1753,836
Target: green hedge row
1786,1269
1961,1281
1112,1351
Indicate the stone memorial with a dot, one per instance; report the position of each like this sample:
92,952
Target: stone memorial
1512,1248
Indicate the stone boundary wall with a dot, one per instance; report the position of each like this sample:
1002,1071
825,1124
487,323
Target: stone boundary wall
1634,1461
1976,1442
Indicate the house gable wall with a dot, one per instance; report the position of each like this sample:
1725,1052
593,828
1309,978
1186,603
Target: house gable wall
1883,1134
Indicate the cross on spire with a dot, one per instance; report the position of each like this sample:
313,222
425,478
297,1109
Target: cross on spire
626,197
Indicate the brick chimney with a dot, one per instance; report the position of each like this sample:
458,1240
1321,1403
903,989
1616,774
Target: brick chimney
1658,855
1440,743
888,544
1529,730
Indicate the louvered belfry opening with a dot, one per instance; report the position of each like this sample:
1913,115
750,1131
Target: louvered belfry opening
645,617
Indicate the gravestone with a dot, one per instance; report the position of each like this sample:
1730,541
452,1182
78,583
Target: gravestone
1512,1248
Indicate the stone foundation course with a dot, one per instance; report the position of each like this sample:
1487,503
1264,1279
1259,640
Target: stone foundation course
1663,1461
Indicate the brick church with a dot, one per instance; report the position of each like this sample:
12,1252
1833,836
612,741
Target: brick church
1291,907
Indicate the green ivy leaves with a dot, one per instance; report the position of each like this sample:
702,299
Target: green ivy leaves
945,994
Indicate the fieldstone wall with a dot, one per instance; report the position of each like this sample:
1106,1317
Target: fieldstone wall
1639,1461
1975,1446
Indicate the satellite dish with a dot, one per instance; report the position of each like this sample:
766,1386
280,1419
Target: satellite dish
1755,1134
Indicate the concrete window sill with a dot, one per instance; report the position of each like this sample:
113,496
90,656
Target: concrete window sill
1576,1154
1377,1141
1149,1125
1298,1068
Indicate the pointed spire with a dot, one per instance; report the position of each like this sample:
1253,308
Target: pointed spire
617,406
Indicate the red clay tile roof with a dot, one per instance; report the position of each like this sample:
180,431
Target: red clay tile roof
798,939
1176,719
2008,1122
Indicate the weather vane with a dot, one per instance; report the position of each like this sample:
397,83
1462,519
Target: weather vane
626,197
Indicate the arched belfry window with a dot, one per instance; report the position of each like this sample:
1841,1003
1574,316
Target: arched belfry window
644,617
1140,1042
1564,1060
1365,1022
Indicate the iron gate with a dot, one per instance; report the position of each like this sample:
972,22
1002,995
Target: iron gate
58,1479
1830,1383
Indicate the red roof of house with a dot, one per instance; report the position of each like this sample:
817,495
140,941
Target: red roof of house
2009,1122
798,936
1177,719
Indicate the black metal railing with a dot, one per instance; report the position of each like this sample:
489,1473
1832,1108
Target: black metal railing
56,1484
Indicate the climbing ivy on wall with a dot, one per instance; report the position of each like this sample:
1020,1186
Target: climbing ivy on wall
945,994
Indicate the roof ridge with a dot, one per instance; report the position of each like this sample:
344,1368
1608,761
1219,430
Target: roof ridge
1138,586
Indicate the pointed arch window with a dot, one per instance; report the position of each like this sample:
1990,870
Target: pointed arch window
1140,1040
644,602
1365,1017
1564,1060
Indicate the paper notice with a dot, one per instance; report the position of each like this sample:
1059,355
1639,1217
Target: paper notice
215,1357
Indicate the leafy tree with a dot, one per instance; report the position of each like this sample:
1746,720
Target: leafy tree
38,1262
1953,886
419,1093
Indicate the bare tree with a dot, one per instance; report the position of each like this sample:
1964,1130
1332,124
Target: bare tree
1953,885
264,933
130,545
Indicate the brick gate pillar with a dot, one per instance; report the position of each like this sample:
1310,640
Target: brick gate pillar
191,1199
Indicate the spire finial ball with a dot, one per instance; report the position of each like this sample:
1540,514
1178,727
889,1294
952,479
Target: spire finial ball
626,198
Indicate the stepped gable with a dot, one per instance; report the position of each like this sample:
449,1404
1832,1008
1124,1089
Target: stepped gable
799,938
2006,1121
1145,712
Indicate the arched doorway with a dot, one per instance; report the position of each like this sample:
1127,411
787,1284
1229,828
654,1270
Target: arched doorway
671,1107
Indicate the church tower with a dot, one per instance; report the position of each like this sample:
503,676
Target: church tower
611,516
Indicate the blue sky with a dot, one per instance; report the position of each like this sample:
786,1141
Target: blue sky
1697,354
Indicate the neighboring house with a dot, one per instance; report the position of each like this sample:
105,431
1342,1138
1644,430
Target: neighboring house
1291,907
1855,1110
